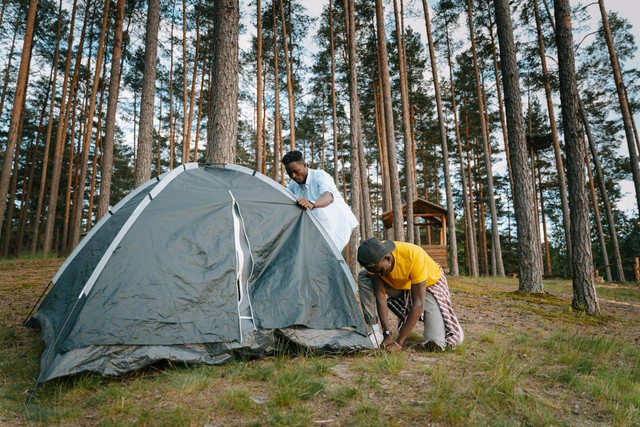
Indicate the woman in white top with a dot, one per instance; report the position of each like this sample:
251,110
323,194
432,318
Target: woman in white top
316,191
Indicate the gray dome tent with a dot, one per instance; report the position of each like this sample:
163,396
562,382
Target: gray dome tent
194,266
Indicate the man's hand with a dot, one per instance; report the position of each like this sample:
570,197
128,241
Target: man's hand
305,204
392,347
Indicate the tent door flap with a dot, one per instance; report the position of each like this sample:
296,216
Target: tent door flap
244,270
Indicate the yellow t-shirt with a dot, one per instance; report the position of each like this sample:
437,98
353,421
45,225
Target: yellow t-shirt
412,265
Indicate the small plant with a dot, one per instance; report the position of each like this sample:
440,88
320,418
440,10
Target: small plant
343,395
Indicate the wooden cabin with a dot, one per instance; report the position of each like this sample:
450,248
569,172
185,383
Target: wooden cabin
430,221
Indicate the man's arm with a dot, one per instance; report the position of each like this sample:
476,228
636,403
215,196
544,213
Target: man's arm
381,305
418,292
325,200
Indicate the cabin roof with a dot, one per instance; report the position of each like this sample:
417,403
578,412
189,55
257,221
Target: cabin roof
420,207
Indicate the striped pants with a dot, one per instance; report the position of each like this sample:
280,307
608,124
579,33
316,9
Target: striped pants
441,325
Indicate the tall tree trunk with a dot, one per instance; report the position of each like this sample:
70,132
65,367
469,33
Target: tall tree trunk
547,255
7,70
596,216
356,133
396,200
451,226
259,124
382,143
323,132
71,174
277,123
495,232
27,183
530,256
8,225
47,143
288,67
18,101
106,166
8,229
406,122
622,99
584,291
333,97
4,5
77,211
613,234
63,120
356,125
172,127
503,122
222,126
201,97
98,146
185,83
472,253
145,132
564,201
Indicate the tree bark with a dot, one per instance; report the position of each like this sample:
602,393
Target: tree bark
564,201
333,97
222,126
356,125
8,229
384,159
147,102
622,99
27,183
472,254
584,292
503,122
199,118
277,123
172,127
495,232
98,145
18,101
61,133
259,141
289,72
77,211
8,69
613,234
106,166
396,198
529,252
406,127
71,174
185,83
451,226
47,143
356,134
547,255
596,216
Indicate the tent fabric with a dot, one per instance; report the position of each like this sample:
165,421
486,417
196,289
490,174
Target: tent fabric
197,266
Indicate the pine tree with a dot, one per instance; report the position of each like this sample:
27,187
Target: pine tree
530,256
145,139
18,101
584,292
222,121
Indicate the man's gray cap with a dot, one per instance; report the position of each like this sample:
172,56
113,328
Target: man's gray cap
372,250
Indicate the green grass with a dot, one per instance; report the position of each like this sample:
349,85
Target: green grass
343,395
526,360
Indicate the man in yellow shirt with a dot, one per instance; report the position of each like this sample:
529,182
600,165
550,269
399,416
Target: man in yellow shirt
399,270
